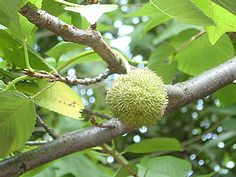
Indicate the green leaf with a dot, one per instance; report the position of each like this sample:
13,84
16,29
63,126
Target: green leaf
224,20
60,98
166,166
37,3
122,172
10,44
155,145
63,48
17,121
229,125
52,7
155,21
183,37
226,95
9,15
172,29
80,164
230,5
147,9
26,26
208,175
2,85
160,62
10,18
183,10
82,57
201,55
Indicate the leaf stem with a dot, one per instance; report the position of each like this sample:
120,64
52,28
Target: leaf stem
13,82
119,158
73,59
27,63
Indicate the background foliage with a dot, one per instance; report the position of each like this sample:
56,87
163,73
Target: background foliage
178,39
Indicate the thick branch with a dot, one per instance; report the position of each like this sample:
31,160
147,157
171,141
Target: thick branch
88,37
179,95
202,85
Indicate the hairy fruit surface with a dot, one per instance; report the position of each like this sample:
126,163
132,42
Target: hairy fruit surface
138,98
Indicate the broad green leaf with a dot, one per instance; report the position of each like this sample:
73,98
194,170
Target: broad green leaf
224,20
26,26
222,137
155,145
160,62
60,98
17,121
122,172
9,15
201,55
230,5
82,165
76,165
93,12
183,37
53,7
82,57
208,175
166,166
229,125
68,54
183,10
63,48
10,44
226,95
37,3
2,85
147,9
172,29
155,21
37,171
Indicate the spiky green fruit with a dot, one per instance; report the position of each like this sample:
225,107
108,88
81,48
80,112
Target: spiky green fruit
138,98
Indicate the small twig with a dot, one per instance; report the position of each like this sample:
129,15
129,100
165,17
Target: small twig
90,116
57,77
48,130
94,122
87,111
121,159
187,43
36,143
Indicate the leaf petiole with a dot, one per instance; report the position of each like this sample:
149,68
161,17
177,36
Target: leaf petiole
27,63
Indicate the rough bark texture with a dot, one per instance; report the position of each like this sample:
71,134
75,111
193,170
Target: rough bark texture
89,37
179,95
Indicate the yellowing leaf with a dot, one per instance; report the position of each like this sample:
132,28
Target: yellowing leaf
59,98
225,21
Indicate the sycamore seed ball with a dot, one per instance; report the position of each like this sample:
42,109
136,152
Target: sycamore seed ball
138,98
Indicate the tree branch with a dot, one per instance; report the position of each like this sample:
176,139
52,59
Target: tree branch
179,95
57,77
68,32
